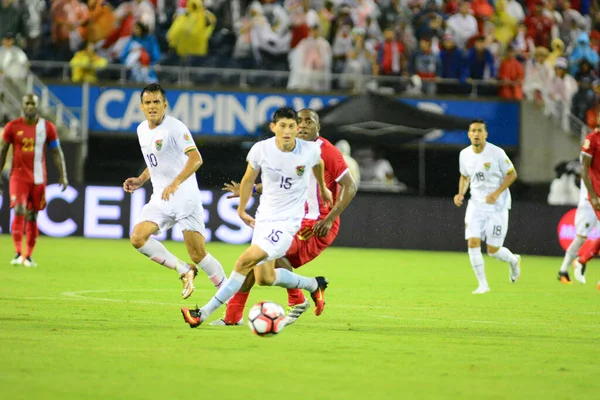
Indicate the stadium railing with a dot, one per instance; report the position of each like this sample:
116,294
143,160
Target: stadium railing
255,78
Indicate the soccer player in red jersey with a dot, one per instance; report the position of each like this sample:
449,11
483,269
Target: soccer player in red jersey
28,135
590,176
320,225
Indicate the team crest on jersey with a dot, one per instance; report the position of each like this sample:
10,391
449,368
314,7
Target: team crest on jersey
586,144
186,136
19,133
158,144
487,166
300,170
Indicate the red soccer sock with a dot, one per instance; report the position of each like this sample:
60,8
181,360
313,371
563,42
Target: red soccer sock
32,232
235,308
18,225
295,297
588,255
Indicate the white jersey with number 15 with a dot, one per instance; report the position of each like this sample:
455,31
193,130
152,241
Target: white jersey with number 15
285,178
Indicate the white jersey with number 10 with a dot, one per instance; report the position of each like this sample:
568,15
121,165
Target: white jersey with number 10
164,149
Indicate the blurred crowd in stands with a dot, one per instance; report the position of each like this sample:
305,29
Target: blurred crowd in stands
545,51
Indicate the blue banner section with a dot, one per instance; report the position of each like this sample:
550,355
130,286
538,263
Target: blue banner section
114,109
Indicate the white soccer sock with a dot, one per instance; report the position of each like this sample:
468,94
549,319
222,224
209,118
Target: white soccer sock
225,292
154,250
572,252
478,265
505,255
213,268
290,280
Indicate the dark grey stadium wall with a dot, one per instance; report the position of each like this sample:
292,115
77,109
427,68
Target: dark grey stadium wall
390,221
371,220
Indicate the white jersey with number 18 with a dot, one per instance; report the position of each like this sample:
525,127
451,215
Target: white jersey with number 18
285,178
164,149
487,171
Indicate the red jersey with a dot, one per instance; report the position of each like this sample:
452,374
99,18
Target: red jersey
29,156
539,28
591,148
335,169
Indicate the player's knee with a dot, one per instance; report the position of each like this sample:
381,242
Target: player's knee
20,209
137,240
492,250
473,243
265,279
31,216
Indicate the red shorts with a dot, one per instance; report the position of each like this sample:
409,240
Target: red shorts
31,195
307,246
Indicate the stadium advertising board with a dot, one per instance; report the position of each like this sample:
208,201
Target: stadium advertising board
371,221
108,212
226,114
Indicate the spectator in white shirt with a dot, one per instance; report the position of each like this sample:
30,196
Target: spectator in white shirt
515,9
14,64
462,25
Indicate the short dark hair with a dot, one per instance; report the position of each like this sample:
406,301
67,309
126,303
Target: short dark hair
153,88
478,121
284,112
313,112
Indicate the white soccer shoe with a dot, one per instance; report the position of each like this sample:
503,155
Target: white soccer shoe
18,260
579,271
29,262
294,312
515,270
481,290
221,322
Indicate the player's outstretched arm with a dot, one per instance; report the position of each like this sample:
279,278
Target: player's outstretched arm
509,179
347,193
3,154
463,186
234,189
246,187
59,160
319,172
191,166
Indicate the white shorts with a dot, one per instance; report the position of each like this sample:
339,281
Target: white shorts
275,237
585,220
165,215
490,226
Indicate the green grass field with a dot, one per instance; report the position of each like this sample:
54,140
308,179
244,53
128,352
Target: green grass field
98,320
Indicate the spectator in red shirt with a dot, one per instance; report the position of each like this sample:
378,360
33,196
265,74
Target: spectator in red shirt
511,76
539,26
390,58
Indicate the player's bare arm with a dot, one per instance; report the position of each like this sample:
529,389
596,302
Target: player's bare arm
59,160
245,193
463,186
191,166
132,184
586,163
234,189
509,179
3,154
319,172
347,193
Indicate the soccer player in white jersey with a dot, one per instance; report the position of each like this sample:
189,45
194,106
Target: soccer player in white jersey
283,162
489,172
585,221
172,159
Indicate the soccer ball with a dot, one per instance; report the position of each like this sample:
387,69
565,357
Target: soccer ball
266,318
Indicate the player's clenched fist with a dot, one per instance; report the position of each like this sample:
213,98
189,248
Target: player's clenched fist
458,200
132,184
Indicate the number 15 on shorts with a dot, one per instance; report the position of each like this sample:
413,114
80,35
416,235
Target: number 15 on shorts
274,236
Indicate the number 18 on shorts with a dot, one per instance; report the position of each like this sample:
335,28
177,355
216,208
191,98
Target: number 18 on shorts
490,226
